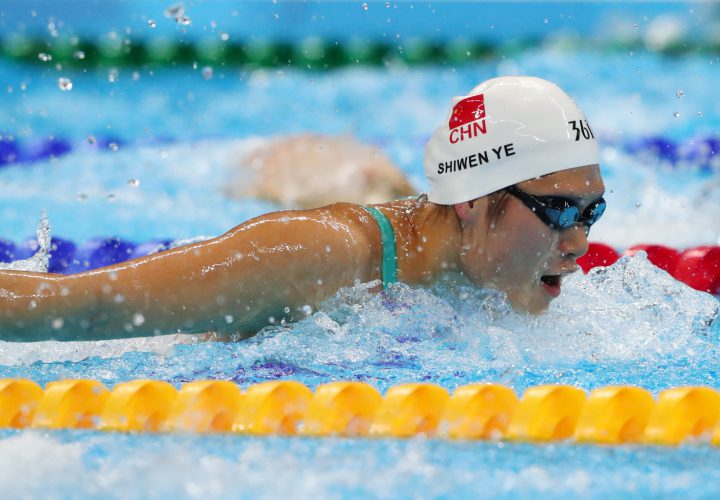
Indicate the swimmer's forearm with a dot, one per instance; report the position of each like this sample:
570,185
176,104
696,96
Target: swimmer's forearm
39,306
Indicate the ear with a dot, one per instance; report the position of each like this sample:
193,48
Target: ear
468,210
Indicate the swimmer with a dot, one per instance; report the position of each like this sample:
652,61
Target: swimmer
514,187
311,170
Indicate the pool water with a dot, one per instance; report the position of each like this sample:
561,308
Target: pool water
178,136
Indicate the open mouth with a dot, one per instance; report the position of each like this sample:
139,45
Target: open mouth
551,283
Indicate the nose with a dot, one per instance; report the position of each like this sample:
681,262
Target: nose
573,242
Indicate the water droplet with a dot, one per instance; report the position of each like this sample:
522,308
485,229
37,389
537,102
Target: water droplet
224,37
364,6
151,23
82,197
229,319
676,114
64,84
113,146
679,94
79,54
638,204
175,11
207,73
138,319
44,57
134,182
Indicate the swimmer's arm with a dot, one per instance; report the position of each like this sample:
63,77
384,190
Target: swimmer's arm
238,282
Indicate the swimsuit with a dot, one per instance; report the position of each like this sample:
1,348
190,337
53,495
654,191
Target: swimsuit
389,255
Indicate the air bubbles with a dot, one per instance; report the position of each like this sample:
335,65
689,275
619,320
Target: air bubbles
113,75
229,318
545,21
700,114
79,55
111,197
286,310
114,147
175,11
207,73
82,197
638,204
387,5
65,84
364,6
224,37
44,57
636,26
91,140
138,319
135,76
164,154
679,94
151,23
676,114
134,183
57,323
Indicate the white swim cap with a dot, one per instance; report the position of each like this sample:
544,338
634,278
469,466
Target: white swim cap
507,130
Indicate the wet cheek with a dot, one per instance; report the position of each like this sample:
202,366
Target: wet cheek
523,256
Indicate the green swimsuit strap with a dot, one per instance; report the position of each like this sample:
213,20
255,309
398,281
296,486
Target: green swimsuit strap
389,256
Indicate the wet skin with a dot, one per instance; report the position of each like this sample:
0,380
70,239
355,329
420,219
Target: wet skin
270,269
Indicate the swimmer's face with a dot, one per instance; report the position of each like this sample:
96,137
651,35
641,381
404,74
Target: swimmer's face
519,254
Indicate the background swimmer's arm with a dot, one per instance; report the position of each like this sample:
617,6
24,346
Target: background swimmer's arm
270,268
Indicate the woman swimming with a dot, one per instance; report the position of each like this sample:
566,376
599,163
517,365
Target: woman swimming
514,188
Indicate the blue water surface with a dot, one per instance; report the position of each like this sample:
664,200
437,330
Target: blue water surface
177,136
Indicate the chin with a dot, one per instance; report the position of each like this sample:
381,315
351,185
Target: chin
530,305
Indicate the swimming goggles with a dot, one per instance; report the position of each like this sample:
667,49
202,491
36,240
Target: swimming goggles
559,212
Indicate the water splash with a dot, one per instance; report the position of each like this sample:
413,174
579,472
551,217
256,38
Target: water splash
40,260
631,323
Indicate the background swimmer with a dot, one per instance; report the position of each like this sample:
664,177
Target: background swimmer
312,170
510,209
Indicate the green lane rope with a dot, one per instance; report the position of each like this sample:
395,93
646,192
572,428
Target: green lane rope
311,53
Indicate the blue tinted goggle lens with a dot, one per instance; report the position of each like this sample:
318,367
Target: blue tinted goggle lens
559,212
